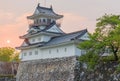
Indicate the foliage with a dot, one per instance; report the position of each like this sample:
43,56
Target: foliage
90,59
118,68
7,54
108,29
107,58
106,36
15,57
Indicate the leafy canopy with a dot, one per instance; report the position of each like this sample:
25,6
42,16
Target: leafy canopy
106,36
8,54
108,29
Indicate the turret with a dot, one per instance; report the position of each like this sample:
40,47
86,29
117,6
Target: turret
43,17
43,27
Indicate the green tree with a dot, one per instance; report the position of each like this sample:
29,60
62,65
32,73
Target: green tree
92,47
15,57
106,35
7,54
108,29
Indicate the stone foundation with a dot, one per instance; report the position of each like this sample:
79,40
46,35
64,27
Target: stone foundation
66,69
7,79
104,71
59,69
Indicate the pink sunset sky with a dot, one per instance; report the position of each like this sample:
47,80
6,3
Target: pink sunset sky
78,14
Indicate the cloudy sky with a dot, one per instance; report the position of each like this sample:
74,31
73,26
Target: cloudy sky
78,14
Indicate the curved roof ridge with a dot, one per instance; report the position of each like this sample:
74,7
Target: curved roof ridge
66,37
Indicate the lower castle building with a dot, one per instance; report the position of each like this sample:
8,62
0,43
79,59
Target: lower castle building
48,53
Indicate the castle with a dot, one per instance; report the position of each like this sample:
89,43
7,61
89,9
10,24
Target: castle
48,53
45,39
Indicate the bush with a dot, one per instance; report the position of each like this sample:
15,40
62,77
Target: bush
118,68
107,58
90,59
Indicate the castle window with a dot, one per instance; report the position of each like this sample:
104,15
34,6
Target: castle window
25,54
30,53
49,51
65,49
34,21
39,39
57,50
37,21
33,40
36,52
40,20
44,20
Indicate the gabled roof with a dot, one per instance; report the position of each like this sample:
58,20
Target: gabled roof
44,11
50,26
43,31
66,38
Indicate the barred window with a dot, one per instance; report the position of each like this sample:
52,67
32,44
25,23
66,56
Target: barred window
25,54
65,49
36,52
30,53
49,51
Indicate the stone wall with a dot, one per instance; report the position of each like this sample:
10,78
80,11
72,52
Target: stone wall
7,79
59,69
66,69
8,68
103,72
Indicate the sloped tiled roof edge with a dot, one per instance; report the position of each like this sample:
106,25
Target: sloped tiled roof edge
44,30
60,40
66,37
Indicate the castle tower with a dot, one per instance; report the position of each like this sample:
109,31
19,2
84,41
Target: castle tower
43,17
47,53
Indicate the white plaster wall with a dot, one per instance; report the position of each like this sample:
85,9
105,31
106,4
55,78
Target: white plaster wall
55,29
61,51
77,51
40,38
45,38
36,38
53,52
30,57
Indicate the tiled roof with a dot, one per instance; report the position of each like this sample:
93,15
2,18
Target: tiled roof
44,30
31,45
59,39
46,10
66,37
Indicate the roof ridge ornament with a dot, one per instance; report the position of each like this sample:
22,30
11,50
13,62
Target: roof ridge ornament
51,7
38,5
